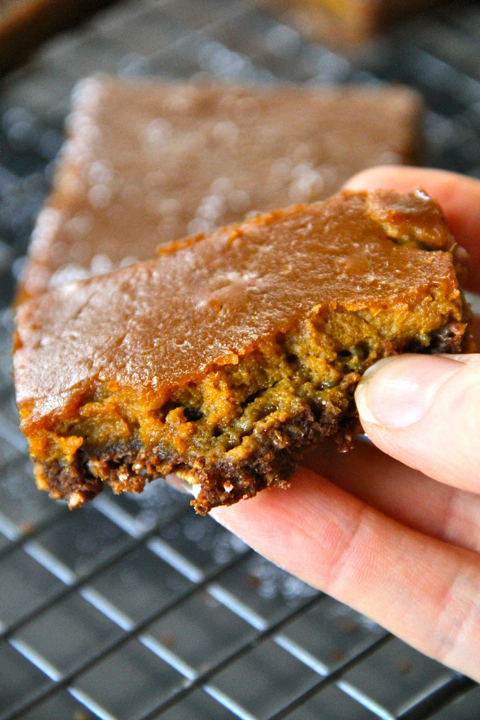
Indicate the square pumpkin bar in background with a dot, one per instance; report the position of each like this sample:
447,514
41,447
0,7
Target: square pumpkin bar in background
148,163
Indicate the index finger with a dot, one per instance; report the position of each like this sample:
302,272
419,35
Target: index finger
458,195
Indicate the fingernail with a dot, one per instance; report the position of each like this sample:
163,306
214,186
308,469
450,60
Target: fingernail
397,392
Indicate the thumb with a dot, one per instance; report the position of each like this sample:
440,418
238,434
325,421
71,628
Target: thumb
424,410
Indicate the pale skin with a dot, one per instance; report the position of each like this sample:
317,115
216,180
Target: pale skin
393,529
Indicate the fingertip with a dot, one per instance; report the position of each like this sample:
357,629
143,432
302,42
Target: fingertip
452,190
391,177
423,410
396,392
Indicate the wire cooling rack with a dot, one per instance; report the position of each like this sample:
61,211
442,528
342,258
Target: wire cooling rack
134,608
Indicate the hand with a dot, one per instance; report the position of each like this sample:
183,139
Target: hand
396,535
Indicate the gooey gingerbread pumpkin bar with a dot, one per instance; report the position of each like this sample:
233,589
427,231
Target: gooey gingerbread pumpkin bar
228,355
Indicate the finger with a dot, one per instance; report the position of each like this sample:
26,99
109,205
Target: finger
421,589
401,493
458,195
425,411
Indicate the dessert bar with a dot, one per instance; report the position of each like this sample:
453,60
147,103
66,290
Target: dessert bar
229,354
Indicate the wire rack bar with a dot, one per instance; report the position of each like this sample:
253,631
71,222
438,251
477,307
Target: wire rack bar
134,631
204,677
333,677
232,603
18,538
449,691
71,580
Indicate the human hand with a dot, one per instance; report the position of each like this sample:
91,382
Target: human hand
396,534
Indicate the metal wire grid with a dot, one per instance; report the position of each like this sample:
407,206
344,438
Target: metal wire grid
136,608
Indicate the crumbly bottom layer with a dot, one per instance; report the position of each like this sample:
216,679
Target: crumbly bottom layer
221,481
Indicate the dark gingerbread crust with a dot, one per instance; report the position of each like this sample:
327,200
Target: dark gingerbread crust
280,449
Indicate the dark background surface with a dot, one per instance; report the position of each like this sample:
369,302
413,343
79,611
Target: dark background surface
135,608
